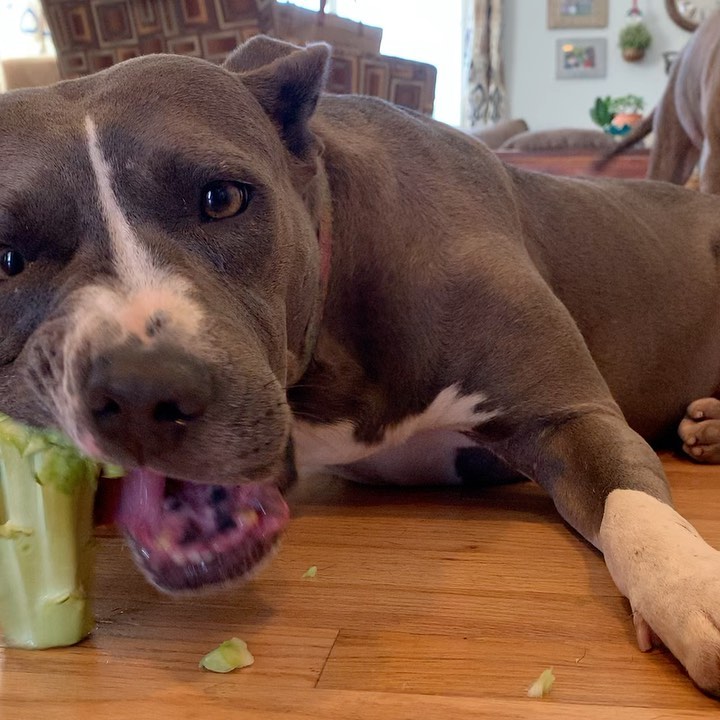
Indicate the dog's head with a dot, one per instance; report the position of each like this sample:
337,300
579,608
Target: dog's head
160,281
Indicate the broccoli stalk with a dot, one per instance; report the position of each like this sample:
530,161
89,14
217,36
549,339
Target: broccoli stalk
47,491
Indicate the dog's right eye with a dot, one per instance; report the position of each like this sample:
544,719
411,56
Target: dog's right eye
11,262
222,199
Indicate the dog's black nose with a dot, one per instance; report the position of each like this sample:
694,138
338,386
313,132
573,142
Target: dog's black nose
143,400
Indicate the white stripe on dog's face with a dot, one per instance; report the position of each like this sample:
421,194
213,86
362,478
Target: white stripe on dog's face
133,263
147,291
144,301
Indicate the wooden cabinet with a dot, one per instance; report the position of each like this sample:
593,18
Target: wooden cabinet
632,164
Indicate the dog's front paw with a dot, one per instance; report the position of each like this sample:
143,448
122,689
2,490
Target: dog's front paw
700,430
671,577
693,636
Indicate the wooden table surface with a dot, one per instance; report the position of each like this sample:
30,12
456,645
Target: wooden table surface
438,604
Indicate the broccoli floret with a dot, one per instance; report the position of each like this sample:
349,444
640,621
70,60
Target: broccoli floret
47,489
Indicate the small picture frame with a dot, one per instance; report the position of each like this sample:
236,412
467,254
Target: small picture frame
577,13
581,58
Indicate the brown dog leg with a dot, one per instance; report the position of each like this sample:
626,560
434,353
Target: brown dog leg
609,485
673,156
710,169
565,432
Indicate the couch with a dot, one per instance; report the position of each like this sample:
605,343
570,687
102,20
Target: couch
560,151
516,135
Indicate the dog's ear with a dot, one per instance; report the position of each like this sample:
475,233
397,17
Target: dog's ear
257,52
287,81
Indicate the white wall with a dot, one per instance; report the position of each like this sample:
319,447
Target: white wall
529,53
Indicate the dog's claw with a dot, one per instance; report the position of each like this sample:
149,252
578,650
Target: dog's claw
646,637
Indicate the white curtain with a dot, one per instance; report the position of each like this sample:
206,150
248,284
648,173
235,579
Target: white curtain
23,30
486,90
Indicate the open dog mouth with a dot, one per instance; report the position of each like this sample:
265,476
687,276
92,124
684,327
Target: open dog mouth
187,535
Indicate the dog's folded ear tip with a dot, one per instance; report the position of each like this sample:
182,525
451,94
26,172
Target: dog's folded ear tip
262,50
318,56
319,48
286,80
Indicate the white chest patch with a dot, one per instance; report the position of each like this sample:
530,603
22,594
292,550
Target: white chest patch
318,447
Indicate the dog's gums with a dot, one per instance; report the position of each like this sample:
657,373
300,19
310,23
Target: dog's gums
188,535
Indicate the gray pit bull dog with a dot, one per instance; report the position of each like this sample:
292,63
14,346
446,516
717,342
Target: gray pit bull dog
215,277
686,121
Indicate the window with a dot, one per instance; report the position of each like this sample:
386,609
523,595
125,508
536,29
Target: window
23,31
416,30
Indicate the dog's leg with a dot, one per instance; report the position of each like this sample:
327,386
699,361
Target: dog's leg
700,430
610,486
710,162
671,577
558,424
673,156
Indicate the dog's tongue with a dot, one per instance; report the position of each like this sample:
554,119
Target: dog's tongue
141,499
187,535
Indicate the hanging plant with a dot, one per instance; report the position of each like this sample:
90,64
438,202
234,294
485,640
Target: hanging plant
635,39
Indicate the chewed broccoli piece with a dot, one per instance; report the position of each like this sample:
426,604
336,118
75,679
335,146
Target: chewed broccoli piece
543,685
230,655
47,489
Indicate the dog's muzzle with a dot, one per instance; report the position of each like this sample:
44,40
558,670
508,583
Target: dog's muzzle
144,403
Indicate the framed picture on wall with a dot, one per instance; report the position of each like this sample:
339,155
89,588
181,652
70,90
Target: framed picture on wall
577,13
581,58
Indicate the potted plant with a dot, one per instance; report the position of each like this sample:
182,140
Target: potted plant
635,39
617,116
627,111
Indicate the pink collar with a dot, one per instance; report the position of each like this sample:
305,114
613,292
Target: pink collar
312,331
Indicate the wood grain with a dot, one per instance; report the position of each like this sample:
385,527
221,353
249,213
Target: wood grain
433,603
631,165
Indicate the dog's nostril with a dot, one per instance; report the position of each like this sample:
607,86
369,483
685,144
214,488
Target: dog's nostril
106,408
143,402
171,412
